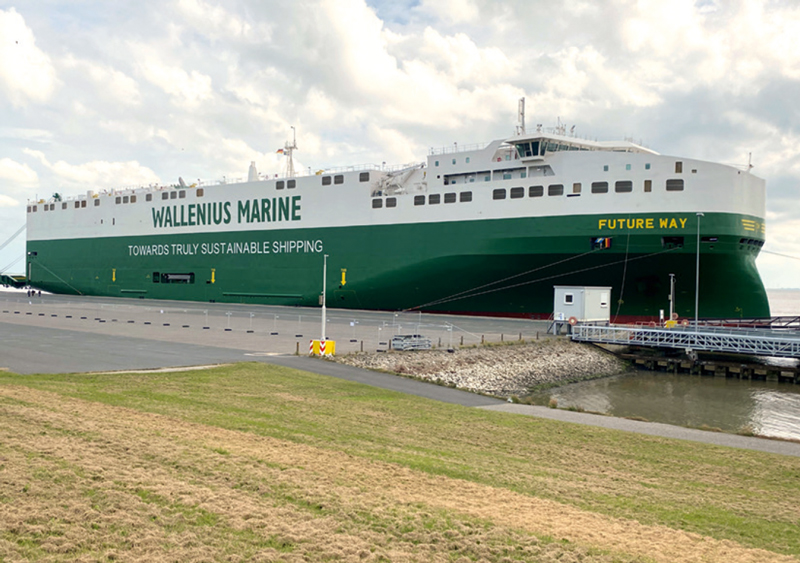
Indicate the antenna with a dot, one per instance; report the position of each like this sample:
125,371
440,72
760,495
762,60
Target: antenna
287,152
521,117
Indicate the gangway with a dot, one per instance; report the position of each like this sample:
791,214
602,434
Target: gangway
751,342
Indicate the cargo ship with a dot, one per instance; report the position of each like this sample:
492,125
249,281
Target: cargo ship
484,229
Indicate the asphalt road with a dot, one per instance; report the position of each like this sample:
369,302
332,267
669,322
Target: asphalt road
48,335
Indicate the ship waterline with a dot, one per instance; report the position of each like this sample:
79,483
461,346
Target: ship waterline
497,266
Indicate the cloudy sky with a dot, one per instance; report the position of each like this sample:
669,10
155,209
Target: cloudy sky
97,94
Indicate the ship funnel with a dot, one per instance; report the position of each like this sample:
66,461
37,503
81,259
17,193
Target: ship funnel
181,182
252,174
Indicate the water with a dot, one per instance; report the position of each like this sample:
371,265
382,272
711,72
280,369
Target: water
732,405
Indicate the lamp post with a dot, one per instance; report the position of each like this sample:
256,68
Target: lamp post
671,296
697,274
324,283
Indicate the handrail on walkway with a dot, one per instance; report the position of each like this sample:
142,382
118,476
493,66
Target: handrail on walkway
753,342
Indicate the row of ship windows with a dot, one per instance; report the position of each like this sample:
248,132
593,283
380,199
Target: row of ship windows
181,194
432,199
678,166
621,186
339,179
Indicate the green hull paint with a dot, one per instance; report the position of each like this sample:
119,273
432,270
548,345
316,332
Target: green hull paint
506,267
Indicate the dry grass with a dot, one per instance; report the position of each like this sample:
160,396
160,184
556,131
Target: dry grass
86,481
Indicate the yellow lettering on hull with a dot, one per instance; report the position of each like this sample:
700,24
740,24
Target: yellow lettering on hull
641,223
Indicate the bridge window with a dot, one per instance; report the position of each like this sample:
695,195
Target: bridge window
165,195
450,197
149,197
64,205
199,192
524,150
126,199
173,195
517,193
678,167
499,193
433,199
291,184
182,194
363,177
96,202
377,203
555,189
466,197
419,200
326,180
648,185
118,200
391,202
599,187
279,185
536,191
338,179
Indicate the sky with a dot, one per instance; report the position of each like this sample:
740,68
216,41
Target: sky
97,95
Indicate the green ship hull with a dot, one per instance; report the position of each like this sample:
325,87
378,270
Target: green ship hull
489,267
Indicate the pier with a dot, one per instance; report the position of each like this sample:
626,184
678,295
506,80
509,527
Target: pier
781,343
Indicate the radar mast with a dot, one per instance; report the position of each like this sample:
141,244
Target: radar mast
287,152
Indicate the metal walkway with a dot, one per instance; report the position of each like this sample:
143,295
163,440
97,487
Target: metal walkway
752,342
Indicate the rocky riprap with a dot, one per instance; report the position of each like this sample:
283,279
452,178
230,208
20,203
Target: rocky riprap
499,370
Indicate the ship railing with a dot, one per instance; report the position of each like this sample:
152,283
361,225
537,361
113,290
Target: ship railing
130,189
455,148
371,168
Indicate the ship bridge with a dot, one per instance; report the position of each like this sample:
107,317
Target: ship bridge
535,146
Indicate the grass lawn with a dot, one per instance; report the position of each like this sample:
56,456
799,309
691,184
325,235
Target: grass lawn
258,462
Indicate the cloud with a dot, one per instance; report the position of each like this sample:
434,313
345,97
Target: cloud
26,73
453,11
19,174
96,174
6,201
106,81
188,89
